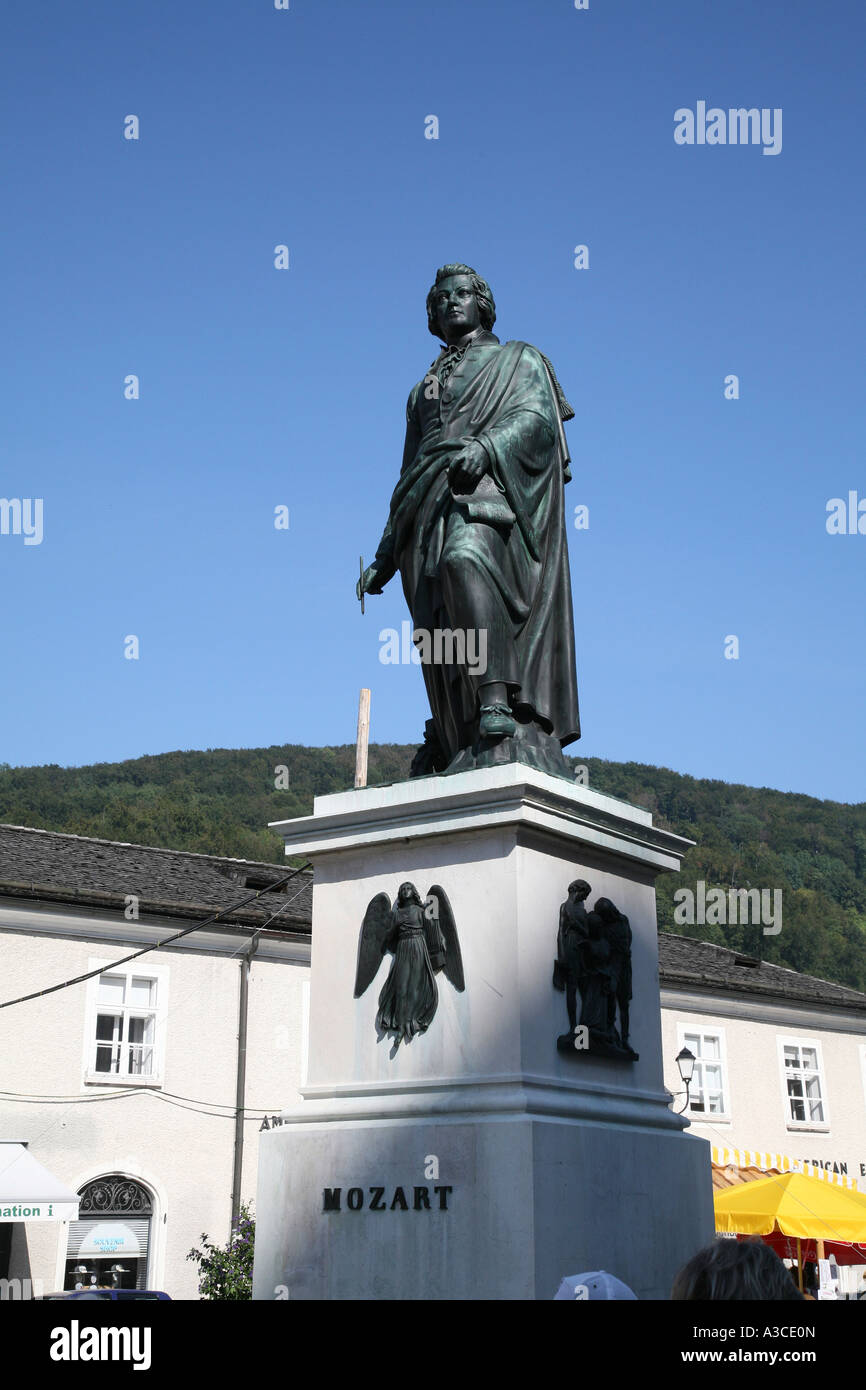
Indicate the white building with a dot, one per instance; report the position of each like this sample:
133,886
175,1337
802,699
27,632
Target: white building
781,1057
125,1086
780,1078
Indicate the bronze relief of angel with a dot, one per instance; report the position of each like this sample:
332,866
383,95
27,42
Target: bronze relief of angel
422,938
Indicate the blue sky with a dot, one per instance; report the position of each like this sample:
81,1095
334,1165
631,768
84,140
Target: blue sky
261,387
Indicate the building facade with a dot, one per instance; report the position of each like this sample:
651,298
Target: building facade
143,1088
125,1085
779,1081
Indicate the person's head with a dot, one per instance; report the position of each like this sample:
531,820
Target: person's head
458,302
734,1270
579,889
606,910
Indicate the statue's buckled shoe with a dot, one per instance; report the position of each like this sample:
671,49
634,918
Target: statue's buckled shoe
496,722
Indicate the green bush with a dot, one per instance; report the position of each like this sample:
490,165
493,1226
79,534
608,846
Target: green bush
228,1273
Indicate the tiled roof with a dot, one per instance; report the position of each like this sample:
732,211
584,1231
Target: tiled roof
51,866
686,962
56,867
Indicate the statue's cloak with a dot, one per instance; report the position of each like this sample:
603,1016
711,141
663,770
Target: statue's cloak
508,398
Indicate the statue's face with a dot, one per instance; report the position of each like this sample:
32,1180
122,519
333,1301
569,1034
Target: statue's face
456,307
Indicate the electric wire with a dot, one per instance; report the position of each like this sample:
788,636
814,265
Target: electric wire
116,1095
156,946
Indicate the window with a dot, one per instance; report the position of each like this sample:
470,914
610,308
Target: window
708,1092
803,1084
125,1025
125,1020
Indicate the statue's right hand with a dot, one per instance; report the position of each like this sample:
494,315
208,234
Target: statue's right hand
369,582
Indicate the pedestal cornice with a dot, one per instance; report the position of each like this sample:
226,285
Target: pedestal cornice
512,796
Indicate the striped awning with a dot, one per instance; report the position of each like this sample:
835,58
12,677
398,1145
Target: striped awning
768,1162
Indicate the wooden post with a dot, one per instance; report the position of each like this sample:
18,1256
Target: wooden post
363,739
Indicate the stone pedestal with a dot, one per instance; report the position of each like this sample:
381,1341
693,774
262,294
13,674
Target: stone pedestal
478,1161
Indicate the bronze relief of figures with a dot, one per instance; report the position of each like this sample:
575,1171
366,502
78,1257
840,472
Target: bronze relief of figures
422,937
593,964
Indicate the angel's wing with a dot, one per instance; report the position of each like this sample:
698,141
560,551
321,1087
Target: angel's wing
371,947
453,965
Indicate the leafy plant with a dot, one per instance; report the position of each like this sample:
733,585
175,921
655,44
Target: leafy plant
227,1273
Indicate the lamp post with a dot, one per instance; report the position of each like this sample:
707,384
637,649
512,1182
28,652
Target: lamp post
686,1066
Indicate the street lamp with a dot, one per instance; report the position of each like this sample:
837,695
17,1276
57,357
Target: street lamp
686,1065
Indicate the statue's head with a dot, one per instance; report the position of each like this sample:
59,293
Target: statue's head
408,893
606,910
579,889
458,302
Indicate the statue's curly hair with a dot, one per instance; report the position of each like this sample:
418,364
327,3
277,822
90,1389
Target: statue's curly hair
483,297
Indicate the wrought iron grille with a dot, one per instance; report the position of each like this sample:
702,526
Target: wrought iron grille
114,1196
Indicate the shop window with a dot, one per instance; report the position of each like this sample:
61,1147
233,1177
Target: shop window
108,1245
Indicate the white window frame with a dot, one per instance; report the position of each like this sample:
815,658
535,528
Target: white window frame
143,970
863,1068
813,1126
709,1117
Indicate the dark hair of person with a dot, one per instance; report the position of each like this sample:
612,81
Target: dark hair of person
734,1270
483,297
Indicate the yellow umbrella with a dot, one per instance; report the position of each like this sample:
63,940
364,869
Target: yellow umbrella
795,1205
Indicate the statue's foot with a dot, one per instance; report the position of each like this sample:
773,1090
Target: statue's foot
496,722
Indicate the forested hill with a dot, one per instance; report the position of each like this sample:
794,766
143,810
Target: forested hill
220,801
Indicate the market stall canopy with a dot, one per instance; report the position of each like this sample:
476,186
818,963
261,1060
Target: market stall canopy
786,1248
795,1205
28,1192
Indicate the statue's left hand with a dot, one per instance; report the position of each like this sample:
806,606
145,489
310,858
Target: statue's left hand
371,582
468,467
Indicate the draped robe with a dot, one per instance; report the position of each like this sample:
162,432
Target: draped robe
498,564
